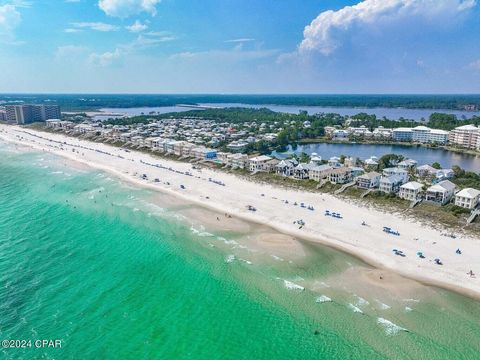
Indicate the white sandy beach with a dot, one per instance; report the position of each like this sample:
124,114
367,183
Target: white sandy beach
367,242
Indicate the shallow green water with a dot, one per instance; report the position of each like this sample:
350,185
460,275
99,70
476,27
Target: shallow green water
94,263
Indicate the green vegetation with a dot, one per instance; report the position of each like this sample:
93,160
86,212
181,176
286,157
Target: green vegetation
465,179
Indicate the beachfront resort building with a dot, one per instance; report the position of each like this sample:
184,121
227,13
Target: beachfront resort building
467,198
410,191
29,113
465,136
440,193
369,180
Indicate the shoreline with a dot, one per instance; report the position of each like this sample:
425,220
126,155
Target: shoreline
338,238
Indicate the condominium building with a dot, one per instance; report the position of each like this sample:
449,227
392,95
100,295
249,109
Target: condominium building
465,136
402,134
420,134
29,113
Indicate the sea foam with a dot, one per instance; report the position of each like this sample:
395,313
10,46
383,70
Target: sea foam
292,286
390,327
322,299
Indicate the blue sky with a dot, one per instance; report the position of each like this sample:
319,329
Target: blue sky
240,46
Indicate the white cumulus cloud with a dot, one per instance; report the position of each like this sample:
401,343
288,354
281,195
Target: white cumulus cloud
97,26
126,8
105,59
327,32
10,18
137,26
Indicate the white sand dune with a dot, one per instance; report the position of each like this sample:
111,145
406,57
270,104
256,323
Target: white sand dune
367,242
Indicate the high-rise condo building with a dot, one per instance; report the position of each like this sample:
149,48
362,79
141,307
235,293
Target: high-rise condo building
29,113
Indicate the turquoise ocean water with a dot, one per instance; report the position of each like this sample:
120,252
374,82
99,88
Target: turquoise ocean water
93,262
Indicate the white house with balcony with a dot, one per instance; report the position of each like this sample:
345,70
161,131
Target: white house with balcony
259,163
410,191
467,198
369,180
391,184
440,193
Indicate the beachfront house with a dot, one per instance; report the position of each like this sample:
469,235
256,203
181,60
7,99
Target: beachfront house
187,149
369,180
440,193
320,172
301,171
57,124
467,198
178,147
83,129
271,165
203,153
286,167
237,161
222,157
169,146
410,191
259,163
137,141
396,171
341,175
391,184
